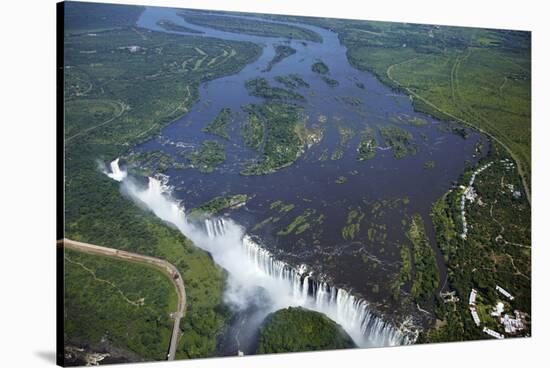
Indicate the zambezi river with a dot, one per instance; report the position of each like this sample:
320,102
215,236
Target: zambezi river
347,279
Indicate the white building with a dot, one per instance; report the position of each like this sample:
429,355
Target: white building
475,316
505,293
473,295
492,333
512,325
498,310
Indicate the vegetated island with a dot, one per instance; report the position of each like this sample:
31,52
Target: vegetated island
171,26
281,52
260,87
285,136
250,26
299,329
219,124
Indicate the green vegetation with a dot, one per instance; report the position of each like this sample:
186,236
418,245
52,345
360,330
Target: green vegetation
479,76
209,155
426,276
171,26
157,81
492,254
298,329
151,162
286,207
324,154
377,233
292,81
367,145
261,224
405,271
253,129
250,26
299,224
219,124
429,164
409,120
126,303
341,180
260,87
281,52
320,68
337,154
400,140
353,224
349,100
345,134
283,141
219,204
454,129
331,82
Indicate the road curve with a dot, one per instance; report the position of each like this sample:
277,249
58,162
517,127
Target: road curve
167,268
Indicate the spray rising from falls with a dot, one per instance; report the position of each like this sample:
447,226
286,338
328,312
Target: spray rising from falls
116,173
252,268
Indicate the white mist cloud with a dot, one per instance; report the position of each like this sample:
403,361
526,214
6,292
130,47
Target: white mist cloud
256,279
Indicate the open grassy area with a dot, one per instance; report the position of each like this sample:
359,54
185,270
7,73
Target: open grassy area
122,303
155,77
455,74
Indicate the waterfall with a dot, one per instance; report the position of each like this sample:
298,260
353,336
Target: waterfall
352,313
116,173
251,268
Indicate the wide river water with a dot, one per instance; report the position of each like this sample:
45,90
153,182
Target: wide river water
385,189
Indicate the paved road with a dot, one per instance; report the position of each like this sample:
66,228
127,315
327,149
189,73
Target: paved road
167,268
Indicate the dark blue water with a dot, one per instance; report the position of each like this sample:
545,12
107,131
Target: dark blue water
363,264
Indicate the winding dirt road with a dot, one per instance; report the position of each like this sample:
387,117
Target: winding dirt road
167,268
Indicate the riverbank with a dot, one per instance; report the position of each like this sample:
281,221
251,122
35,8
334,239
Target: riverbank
94,209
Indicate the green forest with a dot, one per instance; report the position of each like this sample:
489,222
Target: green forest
122,85
118,302
492,254
298,329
